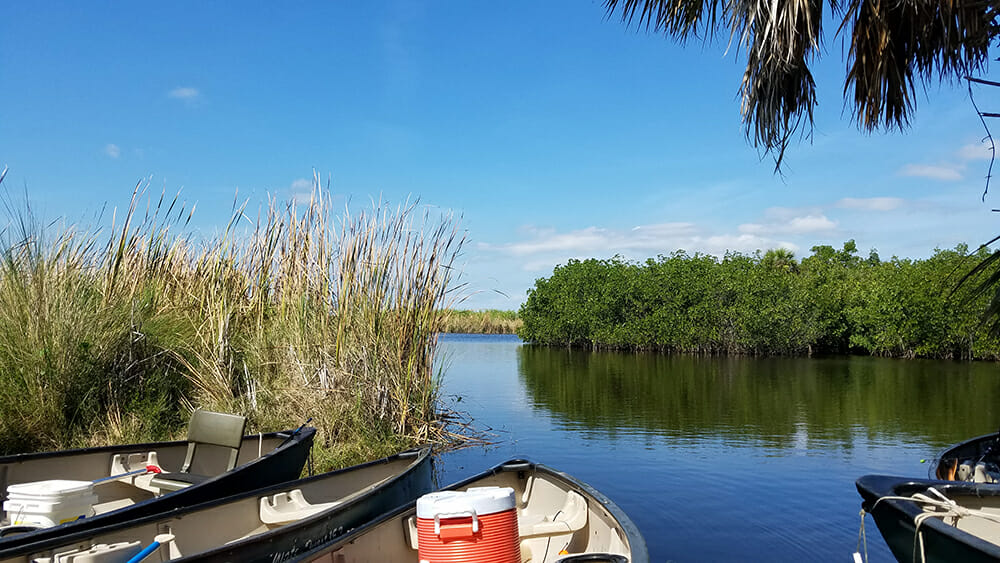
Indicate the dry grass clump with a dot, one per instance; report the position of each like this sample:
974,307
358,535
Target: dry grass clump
291,315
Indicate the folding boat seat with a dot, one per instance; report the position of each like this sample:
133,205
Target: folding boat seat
206,430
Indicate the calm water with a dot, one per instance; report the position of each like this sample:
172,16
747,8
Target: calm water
719,459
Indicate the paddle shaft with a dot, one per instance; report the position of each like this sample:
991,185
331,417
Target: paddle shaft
149,549
147,469
296,433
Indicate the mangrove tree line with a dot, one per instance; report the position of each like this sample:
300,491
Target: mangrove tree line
831,302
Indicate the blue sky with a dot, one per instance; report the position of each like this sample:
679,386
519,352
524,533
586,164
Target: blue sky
552,131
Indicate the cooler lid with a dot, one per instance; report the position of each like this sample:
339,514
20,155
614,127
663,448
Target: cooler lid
481,500
54,487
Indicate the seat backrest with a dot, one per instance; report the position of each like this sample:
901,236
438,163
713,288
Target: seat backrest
215,429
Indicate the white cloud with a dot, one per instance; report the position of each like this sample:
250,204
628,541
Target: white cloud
808,224
944,173
745,243
664,230
301,190
590,239
870,203
546,247
787,221
975,152
953,168
661,237
112,150
186,94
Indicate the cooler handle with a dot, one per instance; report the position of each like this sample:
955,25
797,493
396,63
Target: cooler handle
466,514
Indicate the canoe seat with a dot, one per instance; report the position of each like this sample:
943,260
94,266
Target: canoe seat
287,507
206,430
100,553
114,504
177,481
570,518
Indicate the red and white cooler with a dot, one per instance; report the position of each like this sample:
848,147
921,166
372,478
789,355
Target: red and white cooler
478,525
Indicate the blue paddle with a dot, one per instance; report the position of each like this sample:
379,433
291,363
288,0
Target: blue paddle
149,549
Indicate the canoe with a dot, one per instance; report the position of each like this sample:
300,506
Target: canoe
257,526
976,460
558,518
929,520
111,484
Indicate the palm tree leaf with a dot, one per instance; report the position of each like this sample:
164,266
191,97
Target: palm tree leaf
894,44
987,276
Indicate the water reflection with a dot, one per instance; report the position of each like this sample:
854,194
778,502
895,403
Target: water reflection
719,459
785,403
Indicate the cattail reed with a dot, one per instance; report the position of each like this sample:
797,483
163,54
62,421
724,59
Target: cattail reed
297,312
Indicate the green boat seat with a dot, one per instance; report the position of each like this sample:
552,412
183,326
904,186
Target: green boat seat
212,429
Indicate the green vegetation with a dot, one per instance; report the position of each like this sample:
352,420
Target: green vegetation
830,302
297,314
491,321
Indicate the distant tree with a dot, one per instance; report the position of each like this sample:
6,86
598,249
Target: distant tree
780,259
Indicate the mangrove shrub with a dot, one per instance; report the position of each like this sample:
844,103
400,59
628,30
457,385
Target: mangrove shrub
832,301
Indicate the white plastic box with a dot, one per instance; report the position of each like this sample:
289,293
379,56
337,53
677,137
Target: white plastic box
49,503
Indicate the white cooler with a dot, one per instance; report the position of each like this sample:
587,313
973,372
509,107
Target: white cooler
49,503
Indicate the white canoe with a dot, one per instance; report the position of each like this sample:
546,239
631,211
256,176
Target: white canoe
559,519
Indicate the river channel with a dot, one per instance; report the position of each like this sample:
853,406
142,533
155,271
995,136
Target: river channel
718,459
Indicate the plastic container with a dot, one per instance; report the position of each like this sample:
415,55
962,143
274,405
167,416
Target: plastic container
49,503
474,526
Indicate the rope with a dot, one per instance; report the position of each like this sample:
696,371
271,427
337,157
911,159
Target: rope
862,539
946,507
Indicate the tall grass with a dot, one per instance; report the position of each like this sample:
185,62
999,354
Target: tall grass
490,321
296,313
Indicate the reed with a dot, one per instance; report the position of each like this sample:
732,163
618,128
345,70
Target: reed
490,321
299,312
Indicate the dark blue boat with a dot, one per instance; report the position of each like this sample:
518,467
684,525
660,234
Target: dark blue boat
930,520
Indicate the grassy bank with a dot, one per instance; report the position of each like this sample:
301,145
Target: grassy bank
491,321
298,313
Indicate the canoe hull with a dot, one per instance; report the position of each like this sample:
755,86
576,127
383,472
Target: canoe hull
301,537
283,462
235,528
985,448
555,512
896,519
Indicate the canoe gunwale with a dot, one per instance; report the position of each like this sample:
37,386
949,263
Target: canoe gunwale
422,457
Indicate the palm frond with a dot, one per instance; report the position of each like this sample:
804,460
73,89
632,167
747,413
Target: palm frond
894,44
987,283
